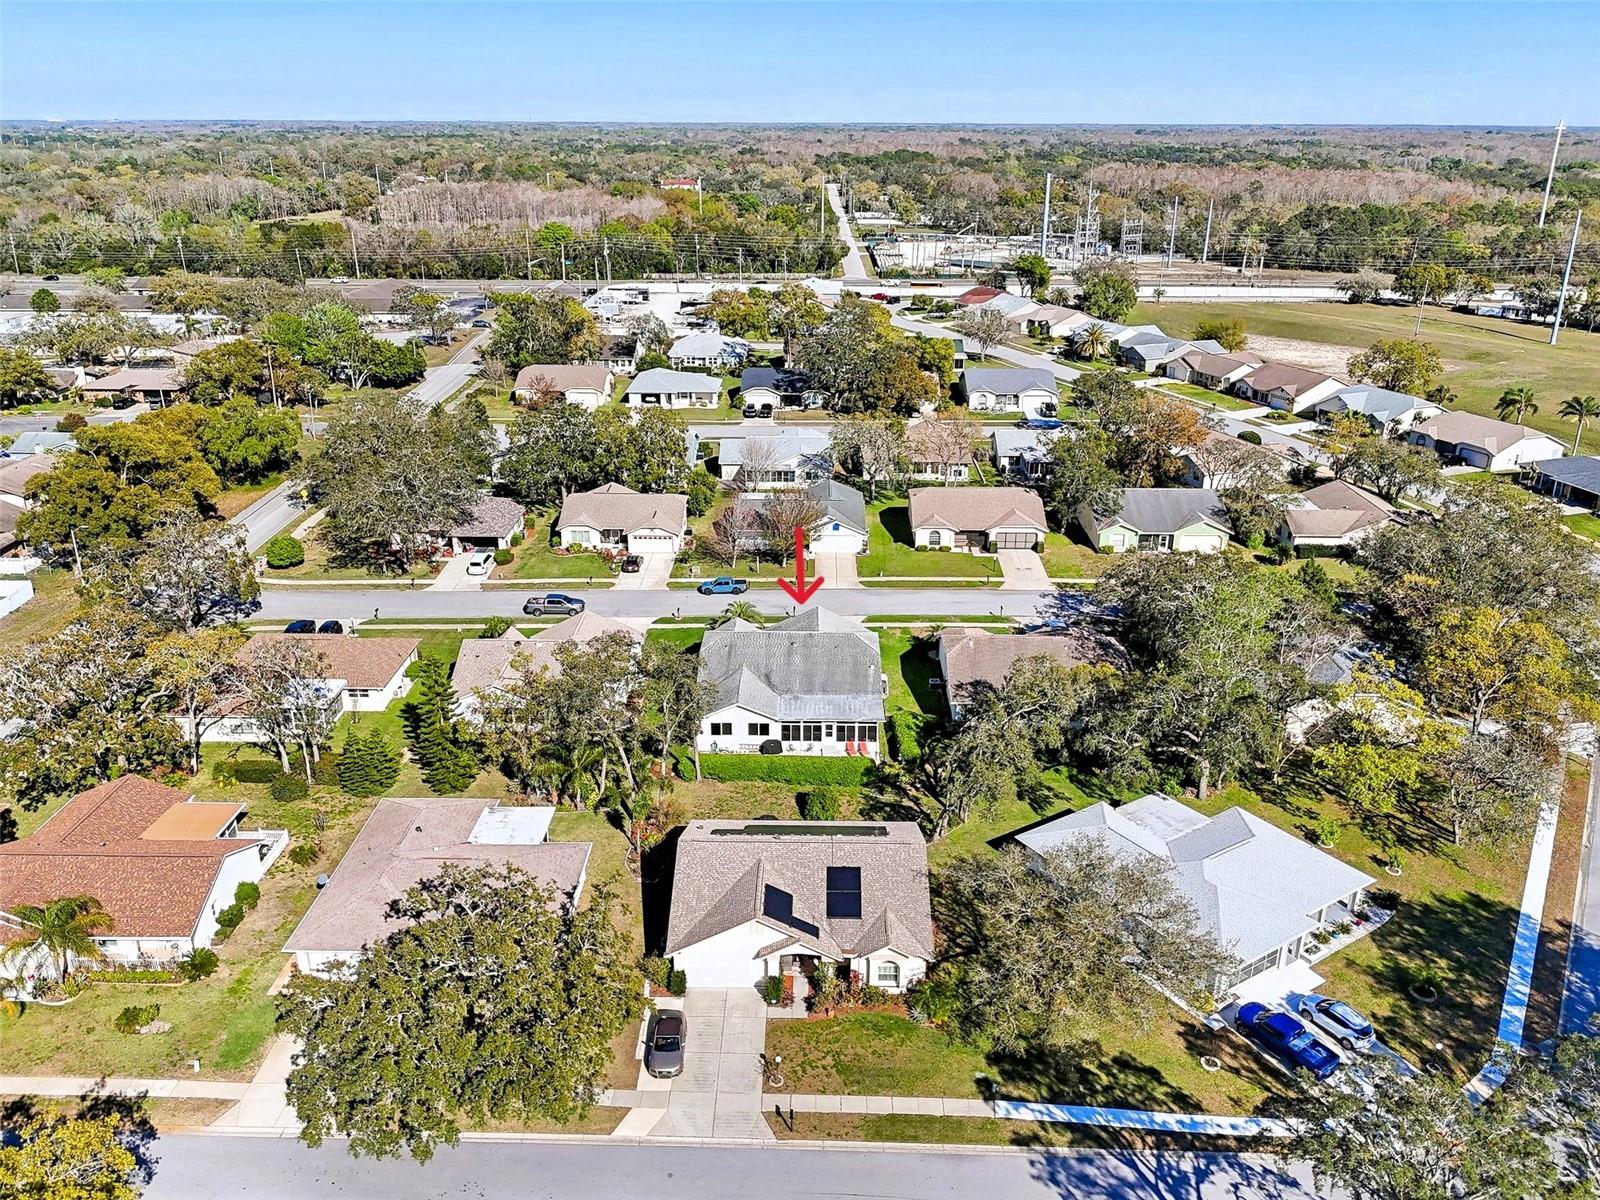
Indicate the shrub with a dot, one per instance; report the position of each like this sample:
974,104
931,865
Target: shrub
1318,551
677,982
934,998
136,1016
325,770
71,423
1328,830
516,538
255,770
230,917
772,989
289,789
820,804
656,969
802,771
284,551
198,964
1251,436
247,895
45,301
224,773
502,557
303,854
495,627
873,996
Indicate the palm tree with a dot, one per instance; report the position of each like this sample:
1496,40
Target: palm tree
1518,400
64,928
1580,409
741,610
1441,395
1092,342
576,768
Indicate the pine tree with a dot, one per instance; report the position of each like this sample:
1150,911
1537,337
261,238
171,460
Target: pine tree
448,766
385,763
355,776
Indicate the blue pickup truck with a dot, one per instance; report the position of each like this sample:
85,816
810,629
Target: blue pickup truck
1287,1038
724,585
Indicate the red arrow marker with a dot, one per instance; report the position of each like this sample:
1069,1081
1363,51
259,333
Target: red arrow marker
800,590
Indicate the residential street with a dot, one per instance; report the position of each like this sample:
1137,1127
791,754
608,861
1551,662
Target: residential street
200,1167
323,604
856,268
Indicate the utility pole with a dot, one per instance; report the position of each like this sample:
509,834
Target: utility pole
14,267
355,255
527,246
741,264
1172,233
1550,178
700,194
1566,277
605,248
1044,223
182,261
822,213
697,256
1205,246
299,266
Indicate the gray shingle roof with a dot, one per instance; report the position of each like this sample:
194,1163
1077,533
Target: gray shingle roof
778,447
1006,381
1167,510
815,666
664,379
491,516
707,345
724,868
1374,403
1253,886
1470,429
841,503
1582,473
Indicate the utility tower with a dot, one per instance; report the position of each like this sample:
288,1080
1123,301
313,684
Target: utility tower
1086,235
1132,235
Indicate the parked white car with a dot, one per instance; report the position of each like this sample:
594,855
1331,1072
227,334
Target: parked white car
1336,1018
481,563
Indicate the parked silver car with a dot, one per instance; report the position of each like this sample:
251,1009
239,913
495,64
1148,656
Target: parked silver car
1336,1018
663,1048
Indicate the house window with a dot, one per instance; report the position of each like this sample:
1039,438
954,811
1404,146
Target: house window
759,729
864,732
1155,541
802,733
722,729
1265,963
358,693
935,537
887,974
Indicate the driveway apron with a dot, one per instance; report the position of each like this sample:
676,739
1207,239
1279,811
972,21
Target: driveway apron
719,1093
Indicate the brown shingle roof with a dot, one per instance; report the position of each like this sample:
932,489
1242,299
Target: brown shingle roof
120,843
141,379
404,842
485,662
565,375
492,516
976,508
724,869
15,473
1470,429
975,656
361,662
1280,377
612,506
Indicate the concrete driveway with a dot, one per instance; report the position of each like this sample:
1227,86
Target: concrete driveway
719,1093
453,577
652,575
1023,570
838,569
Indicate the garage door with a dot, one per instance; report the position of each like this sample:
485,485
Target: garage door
650,543
1015,541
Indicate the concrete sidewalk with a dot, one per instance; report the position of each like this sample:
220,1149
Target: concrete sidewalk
71,1085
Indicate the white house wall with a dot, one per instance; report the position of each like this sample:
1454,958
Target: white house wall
728,959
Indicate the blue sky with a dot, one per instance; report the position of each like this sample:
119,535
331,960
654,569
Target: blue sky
1509,63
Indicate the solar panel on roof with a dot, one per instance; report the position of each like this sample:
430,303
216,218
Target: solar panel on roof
774,829
779,905
844,893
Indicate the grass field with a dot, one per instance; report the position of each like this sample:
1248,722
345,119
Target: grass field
1482,355
890,550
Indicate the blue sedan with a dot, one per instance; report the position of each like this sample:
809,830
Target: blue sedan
1288,1039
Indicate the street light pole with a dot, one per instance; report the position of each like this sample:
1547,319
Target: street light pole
1550,178
1566,277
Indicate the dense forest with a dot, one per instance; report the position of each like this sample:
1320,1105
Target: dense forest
485,201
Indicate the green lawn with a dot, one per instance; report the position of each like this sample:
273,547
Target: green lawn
1066,557
1585,525
235,500
1204,395
1482,355
319,565
537,559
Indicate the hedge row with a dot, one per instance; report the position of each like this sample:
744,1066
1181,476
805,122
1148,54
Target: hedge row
801,770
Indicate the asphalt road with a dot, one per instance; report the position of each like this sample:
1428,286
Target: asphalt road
856,269
1580,1002
43,422
220,1168
287,603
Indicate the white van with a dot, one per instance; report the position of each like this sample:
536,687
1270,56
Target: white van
481,563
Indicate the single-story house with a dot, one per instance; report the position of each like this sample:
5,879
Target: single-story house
1215,371
1572,481
713,350
1387,412
1052,320
613,516
977,518
932,455
184,352
812,685
752,899
406,841
1289,389
665,388
161,864
1219,456
486,664
783,458
588,385
779,387
1162,519
620,355
1483,442
842,528
15,474
1261,892
493,522
363,675
132,384
1150,352
1023,452
1030,390
1334,514
971,658
40,442
1014,309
